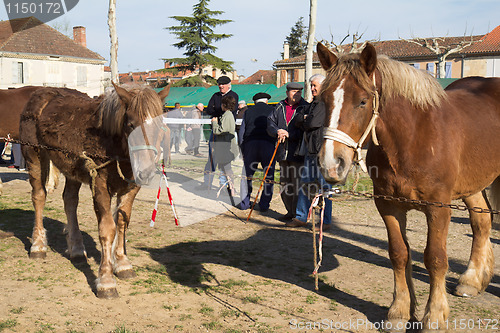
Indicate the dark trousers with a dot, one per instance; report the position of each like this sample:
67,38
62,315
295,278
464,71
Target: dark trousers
175,138
290,176
255,152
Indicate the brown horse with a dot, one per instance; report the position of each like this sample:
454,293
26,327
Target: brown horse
426,144
87,140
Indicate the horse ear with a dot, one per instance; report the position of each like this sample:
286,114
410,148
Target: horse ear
368,59
164,92
124,95
326,57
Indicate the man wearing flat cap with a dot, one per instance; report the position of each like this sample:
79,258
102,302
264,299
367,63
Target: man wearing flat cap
257,147
214,109
281,126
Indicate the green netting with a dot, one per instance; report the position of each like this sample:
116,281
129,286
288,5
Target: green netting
179,94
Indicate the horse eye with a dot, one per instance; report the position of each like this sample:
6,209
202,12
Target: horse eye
130,125
363,103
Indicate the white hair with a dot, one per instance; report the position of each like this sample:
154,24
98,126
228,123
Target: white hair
261,100
317,78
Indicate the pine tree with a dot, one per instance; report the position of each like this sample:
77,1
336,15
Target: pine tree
196,35
297,39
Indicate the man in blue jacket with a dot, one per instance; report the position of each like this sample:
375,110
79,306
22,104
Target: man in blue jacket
281,125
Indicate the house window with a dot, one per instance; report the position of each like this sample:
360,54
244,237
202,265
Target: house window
417,66
81,76
17,72
430,68
447,70
290,75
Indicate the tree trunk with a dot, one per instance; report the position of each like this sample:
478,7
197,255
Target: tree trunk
113,63
309,49
441,66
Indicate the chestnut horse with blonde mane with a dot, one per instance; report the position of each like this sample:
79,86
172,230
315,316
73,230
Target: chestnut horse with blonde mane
425,143
86,138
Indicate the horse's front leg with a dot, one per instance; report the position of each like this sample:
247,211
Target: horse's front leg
436,262
404,302
480,269
121,265
105,283
76,249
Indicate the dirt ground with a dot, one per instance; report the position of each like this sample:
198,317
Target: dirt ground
221,274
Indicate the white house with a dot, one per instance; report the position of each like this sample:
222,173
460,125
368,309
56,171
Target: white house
33,53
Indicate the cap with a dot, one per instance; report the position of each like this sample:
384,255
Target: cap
260,96
223,80
294,86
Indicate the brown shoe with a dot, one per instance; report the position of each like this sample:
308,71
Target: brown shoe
295,223
325,227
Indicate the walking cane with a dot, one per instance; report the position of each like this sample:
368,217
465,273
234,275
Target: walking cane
264,179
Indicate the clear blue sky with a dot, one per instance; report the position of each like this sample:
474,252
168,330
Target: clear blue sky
260,27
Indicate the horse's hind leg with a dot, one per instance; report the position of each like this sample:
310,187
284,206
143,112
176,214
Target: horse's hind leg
76,249
480,269
35,163
404,302
121,265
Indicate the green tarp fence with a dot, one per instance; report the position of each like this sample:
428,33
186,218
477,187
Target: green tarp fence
190,96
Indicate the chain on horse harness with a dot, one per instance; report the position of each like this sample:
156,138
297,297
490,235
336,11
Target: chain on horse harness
342,137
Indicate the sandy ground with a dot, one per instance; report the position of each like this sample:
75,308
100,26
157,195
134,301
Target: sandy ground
218,273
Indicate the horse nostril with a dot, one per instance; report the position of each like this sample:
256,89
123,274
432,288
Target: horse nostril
341,164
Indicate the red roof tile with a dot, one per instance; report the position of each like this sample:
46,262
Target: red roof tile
29,35
260,77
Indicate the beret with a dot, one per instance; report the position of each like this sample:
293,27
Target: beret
260,96
294,86
223,80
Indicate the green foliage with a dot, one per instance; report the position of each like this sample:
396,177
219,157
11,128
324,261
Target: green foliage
297,39
196,36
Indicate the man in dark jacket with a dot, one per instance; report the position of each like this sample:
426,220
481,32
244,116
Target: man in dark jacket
312,120
257,147
214,109
281,125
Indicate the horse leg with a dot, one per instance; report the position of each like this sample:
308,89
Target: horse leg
121,265
1,186
35,164
480,269
436,262
404,301
76,249
105,282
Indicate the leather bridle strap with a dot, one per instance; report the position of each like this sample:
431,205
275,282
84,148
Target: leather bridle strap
344,138
144,147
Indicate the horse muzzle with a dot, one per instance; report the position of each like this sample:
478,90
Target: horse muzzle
335,165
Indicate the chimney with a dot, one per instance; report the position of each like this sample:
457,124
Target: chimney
286,51
79,36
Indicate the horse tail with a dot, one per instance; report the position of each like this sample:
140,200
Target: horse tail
494,201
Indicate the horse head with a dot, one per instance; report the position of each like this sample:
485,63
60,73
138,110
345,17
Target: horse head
351,101
142,126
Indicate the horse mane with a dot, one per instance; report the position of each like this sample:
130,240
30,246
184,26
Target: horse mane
398,79
145,102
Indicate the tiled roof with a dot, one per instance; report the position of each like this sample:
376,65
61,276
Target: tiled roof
400,49
262,76
29,35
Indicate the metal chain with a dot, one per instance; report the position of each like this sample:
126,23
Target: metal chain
413,201
336,191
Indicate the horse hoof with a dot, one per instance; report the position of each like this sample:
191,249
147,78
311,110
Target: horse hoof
79,259
126,274
38,255
107,293
466,291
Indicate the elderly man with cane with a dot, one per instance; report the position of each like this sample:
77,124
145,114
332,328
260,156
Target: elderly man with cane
257,147
281,125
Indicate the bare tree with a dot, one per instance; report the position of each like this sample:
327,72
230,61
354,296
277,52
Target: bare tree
113,63
442,49
354,46
310,45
